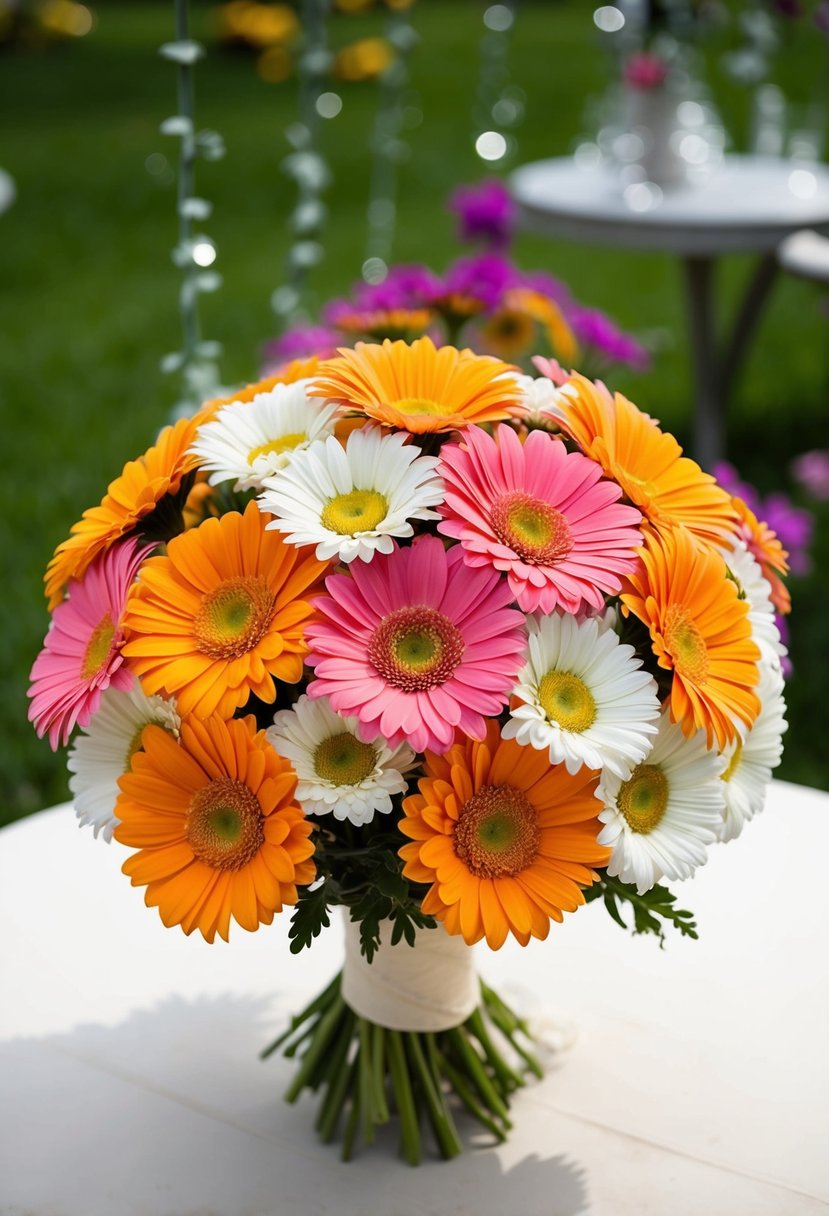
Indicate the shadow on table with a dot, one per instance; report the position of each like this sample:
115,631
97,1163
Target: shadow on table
176,1099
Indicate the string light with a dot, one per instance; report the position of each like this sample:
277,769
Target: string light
194,253
499,106
388,147
306,165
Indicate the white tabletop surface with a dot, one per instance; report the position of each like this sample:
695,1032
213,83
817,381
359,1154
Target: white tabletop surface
806,254
748,205
698,1081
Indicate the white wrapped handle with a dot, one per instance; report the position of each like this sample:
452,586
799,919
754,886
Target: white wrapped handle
432,985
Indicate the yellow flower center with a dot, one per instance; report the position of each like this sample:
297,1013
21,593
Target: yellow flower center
685,644
357,511
344,759
416,648
275,447
225,824
644,797
567,700
420,406
531,527
98,648
234,617
497,832
734,762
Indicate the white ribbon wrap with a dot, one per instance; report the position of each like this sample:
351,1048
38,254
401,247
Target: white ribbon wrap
432,985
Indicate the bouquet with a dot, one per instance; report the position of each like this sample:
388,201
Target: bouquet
456,649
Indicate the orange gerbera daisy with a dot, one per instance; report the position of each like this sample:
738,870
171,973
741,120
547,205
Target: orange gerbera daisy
126,506
506,840
220,614
216,826
764,545
417,387
648,464
511,330
700,630
289,373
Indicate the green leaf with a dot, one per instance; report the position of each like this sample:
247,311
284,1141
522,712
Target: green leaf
310,917
651,911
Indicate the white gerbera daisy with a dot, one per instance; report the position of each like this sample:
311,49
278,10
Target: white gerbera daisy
350,502
337,771
102,754
251,440
538,401
757,591
750,760
660,821
584,697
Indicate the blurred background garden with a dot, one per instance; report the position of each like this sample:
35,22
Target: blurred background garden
89,293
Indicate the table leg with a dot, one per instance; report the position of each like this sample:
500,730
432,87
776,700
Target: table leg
754,300
709,406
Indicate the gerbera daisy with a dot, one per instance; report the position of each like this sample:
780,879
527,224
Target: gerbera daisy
287,373
135,501
506,841
417,387
216,827
215,619
393,323
537,402
83,650
765,547
102,754
351,501
248,441
755,588
338,772
700,630
648,464
584,698
749,761
415,644
540,513
660,820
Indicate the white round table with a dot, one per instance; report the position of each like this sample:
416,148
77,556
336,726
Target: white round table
697,1083
748,206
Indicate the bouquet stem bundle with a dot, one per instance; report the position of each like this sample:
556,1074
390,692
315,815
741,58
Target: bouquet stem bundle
366,1072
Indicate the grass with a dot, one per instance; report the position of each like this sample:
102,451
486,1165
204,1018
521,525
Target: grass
88,292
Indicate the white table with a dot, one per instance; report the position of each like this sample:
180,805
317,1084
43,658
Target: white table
749,206
130,1084
806,254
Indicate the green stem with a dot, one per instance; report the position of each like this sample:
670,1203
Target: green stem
467,1097
469,1057
510,1080
353,1119
321,1039
442,1121
378,1073
339,1073
318,1003
409,1128
365,1081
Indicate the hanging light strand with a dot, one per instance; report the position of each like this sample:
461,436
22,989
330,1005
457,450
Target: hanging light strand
195,251
388,147
307,166
499,106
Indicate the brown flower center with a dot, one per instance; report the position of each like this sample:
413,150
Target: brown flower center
531,527
234,617
225,824
497,832
416,648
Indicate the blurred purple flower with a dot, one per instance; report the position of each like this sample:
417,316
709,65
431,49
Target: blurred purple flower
408,286
546,285
485,212
485,277
644,70
811,470
794,525
595,330
300,343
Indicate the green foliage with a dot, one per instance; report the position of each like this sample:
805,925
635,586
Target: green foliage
651,911
309,918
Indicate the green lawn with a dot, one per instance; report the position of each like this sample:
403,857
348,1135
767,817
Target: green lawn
88,292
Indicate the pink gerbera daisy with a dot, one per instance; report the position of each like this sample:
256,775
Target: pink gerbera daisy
416,645
81,653
542,514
